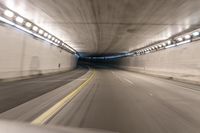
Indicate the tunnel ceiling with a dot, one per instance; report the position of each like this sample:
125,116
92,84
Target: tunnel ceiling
110,26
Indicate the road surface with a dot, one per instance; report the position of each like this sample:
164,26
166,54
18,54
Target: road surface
15,93
127,102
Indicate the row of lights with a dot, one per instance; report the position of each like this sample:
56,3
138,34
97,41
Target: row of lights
156,47
109,57
10,17
168,44
164,45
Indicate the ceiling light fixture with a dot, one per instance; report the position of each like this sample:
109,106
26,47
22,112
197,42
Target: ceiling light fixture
35,28
187,37
19,20
49,36
169,42
41,31
13,19
28,24
180,39
45,34
195,34
9,13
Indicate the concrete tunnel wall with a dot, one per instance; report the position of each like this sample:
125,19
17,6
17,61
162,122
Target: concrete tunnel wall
22,54
180,63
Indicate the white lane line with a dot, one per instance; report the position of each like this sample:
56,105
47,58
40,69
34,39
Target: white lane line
129,81
122,79
113,73
44,117
116,75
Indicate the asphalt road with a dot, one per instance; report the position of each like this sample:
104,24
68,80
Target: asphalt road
15,93
127,102
134,103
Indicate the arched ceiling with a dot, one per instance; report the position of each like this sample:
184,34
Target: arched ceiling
110,26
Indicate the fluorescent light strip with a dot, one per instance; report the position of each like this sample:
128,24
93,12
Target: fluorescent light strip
35,28
161,46
195,34
180,39
19,20
6,21
41,32
66,46
24,29
45,34
170,46
129,54
187,36
9,13
28,24
184,42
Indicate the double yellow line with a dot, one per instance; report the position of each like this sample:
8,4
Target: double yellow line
43,118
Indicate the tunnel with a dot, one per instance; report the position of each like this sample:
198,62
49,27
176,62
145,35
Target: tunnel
100,66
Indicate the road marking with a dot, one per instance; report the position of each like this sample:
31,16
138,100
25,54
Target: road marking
58,106
121,79
114,73
129,81
117,76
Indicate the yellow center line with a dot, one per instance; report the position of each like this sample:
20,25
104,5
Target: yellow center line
43,118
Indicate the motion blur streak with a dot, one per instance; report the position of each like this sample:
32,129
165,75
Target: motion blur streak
58,106
127,102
